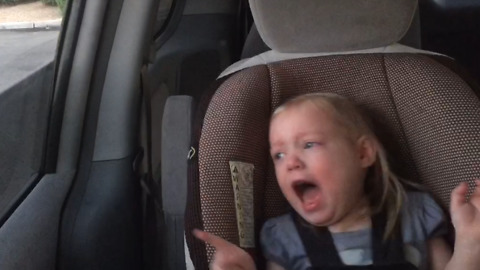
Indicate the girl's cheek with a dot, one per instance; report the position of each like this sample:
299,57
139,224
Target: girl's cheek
315,154
276,165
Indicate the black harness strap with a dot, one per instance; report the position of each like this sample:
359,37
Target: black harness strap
321,251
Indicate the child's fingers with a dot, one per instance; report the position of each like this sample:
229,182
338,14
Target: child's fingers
212,239
475,197
199,234
458,196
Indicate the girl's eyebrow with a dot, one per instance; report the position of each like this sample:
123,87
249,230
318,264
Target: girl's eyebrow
280,144
312,133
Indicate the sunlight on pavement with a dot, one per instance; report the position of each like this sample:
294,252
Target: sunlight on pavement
36,11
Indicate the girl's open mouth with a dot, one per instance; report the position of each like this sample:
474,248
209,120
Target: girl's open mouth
308,193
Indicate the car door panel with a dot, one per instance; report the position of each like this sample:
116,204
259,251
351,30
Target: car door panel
29,237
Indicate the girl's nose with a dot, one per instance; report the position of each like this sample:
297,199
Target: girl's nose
294,162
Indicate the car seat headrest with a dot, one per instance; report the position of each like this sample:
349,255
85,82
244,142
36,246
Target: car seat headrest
308,26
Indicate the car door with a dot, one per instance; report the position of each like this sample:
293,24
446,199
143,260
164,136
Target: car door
30,192
80,204
78,207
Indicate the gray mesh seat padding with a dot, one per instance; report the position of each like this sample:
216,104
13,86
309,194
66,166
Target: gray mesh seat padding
426,115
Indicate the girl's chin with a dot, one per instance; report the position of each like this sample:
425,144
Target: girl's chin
318,219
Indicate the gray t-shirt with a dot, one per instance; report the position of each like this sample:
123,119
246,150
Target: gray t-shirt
422,219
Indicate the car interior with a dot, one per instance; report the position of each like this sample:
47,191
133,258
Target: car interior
136,129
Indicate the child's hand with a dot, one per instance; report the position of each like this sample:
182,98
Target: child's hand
466,216
227,255
466,220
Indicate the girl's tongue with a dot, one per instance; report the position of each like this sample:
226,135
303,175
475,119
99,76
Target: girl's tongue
309,194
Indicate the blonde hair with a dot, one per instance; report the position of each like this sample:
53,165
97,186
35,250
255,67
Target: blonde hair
383,188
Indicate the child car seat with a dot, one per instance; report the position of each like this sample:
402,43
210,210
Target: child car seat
254,44
426,112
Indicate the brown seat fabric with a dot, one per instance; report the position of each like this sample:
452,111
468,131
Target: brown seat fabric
427,117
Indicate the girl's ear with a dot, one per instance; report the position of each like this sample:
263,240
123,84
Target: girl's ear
367,151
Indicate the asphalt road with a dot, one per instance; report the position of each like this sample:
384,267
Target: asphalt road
23,52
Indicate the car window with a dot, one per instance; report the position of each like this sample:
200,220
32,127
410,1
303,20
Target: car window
28,39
